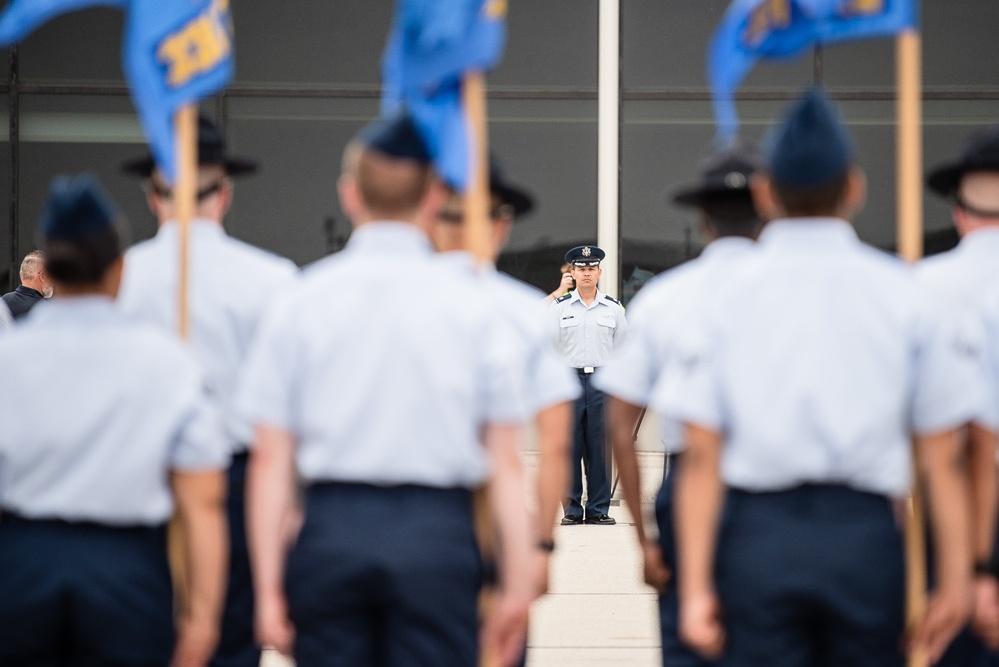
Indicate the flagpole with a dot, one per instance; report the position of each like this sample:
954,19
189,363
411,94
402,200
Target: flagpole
910,247
185,130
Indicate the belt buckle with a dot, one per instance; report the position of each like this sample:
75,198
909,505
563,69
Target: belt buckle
588,370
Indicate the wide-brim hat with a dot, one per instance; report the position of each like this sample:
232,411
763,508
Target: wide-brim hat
211,151
980,154
724,177
509,193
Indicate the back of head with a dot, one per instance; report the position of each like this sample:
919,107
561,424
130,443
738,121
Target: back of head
391,166
722,192
809,155
32,263
80,240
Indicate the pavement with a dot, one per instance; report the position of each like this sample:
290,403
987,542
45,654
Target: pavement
598,611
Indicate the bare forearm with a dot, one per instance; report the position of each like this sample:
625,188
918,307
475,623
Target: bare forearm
269,489
984,489
554,430
201,505
942,468
622,417
699,497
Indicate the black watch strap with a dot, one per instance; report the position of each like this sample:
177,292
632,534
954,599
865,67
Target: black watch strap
989,567
547,546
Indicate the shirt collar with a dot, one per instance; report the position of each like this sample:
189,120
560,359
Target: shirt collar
727,246
389,237
201,226
90,308
808,233
983,239
30,291
599,298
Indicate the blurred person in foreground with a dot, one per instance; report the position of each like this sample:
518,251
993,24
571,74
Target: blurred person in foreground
961,276
392,410
802,387
231,283
669,302
85,496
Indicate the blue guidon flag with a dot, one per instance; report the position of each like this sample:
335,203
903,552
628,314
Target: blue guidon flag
432,44
175,52
753,29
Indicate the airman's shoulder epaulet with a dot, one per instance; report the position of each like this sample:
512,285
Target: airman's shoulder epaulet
612,299
564,297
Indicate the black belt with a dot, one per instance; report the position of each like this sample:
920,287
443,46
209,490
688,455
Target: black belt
586,370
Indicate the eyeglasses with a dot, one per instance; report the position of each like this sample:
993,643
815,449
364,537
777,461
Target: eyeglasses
164,192
457,217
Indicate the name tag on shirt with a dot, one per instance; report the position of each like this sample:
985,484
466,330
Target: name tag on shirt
569,321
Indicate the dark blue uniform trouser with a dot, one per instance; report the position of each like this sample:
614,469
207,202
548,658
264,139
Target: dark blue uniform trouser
385,576
589,446
811,577
237,646
78,594
675,652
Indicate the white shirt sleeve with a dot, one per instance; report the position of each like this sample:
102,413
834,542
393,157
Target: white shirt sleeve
266,393
200,442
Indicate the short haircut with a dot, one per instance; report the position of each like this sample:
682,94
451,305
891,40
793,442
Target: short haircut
811,201
32,263
390,187
731,215
82,262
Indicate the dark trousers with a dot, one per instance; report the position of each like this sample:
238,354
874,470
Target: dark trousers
385,576
237,646
675,652
811,577
589,448
75,594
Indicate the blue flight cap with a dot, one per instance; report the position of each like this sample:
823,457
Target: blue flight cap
396,136
812,146
76,208
585,255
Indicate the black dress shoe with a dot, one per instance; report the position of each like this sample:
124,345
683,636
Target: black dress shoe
572,520
601,520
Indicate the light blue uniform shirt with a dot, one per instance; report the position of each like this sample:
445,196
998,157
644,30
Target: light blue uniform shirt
230,285
547,380
95,410
587,335
817,360
960,277
5,319
385,365
656,316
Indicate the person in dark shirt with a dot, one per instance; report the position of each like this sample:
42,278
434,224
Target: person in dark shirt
35,285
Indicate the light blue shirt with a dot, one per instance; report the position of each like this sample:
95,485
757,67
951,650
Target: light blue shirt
656,316
817,360
96,410
230,283
587,335
385,365
960,277
5,319
547,380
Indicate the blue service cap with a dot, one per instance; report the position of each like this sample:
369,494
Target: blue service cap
585,255
812,146
396,136
76,208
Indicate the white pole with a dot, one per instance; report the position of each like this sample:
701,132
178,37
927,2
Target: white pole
607,145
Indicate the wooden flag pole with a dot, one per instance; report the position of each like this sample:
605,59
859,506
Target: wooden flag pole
185,187
476,222
910,247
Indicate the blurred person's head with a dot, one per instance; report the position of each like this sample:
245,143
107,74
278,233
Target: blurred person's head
34,275
83,253
386,176
972,182
810,164
508,202
214,188
722,194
